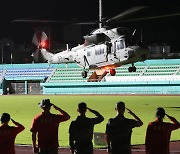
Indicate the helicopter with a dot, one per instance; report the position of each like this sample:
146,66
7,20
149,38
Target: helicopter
103,48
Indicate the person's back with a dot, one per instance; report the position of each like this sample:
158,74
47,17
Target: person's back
47,124
119,130
81,131
45,127
8,134
83,125
158,133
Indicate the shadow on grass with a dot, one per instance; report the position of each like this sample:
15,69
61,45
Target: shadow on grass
174,108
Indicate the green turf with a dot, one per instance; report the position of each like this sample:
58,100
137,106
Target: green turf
24,108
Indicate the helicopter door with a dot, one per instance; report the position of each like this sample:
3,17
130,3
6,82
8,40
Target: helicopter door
100,54
120,45
108,49
119,49
117,46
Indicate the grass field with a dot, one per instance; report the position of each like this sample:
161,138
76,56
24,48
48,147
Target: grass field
24,108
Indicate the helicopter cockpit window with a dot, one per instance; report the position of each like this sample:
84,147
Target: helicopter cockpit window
120,45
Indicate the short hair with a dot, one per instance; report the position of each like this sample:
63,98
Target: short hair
82,107
120,105
160,112
5,117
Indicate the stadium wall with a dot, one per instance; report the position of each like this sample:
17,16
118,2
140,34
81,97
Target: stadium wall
138,87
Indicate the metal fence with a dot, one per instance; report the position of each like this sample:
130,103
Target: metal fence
29,88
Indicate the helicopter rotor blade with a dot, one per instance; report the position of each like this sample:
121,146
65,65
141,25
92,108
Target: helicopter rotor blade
39,21
126,13
152,17
24,20
39,39
35,55
43,37
35,40
118,17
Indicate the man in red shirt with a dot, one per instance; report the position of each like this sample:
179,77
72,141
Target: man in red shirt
45,128
158,133
8,134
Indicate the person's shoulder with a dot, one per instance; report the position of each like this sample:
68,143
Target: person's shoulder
5,127
168,123
83,119
38,116
75,119
127,120
1,126
88,118
10,127
75,122
113,118
152,123
55,115
110,120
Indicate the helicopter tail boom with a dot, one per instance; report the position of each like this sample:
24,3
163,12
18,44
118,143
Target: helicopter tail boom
47,56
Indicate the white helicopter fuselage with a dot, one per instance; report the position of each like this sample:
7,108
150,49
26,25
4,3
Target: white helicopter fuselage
102,49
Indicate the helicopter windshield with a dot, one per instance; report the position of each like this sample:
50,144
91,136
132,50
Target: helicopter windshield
120,45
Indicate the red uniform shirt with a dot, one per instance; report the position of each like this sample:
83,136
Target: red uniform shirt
7,138
46,125
158,136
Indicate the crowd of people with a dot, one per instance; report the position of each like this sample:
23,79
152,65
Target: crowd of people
118,131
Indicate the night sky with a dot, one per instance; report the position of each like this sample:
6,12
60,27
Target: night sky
165,30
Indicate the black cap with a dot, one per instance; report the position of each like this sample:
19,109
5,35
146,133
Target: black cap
45,103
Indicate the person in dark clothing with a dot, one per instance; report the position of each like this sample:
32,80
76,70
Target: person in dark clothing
81,130
119,130
158,133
